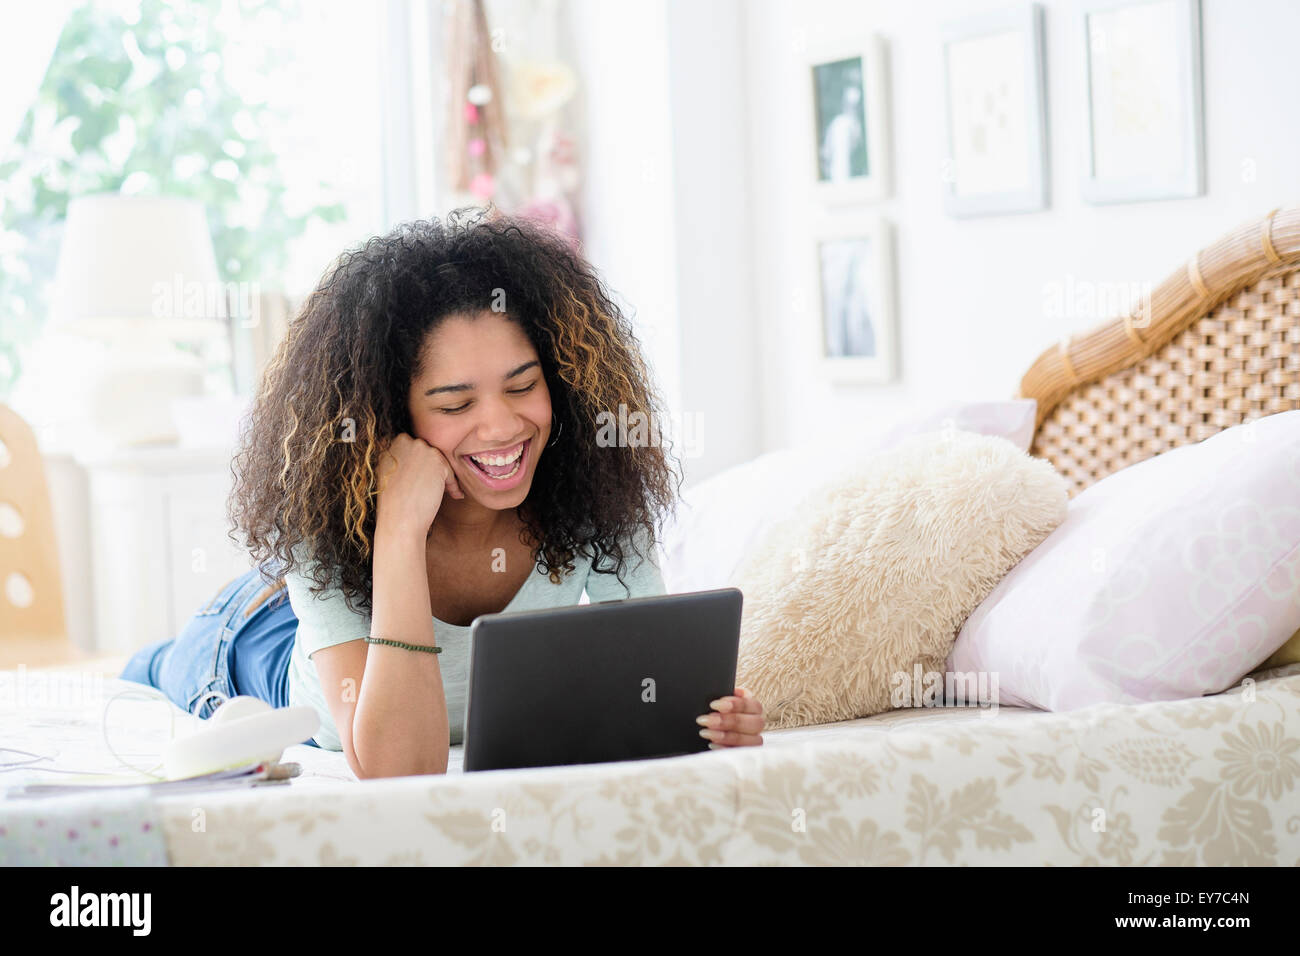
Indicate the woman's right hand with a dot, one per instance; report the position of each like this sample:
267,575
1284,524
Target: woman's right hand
413,477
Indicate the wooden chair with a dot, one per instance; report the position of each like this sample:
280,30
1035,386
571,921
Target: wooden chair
32,626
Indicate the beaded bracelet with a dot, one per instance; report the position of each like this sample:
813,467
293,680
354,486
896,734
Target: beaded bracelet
433,649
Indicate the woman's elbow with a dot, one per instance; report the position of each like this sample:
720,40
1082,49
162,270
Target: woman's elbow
376,767
385,772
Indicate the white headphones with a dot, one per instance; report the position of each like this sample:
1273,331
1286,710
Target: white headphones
242,731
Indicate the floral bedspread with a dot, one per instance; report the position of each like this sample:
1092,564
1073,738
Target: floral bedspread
1205,781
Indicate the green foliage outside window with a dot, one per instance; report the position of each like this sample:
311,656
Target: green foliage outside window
147,108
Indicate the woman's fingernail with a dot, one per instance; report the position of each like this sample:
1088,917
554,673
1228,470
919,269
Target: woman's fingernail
716,747
711,735
708,720
720,704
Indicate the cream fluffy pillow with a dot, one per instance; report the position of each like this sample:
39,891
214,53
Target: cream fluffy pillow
878,572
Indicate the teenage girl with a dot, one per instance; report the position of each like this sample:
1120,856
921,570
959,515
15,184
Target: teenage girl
427,446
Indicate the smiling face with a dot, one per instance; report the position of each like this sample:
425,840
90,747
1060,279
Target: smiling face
481,399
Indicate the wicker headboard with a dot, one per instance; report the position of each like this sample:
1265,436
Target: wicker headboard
1217,345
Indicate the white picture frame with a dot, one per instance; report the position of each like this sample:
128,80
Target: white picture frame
995,115
1154,147
852,267
850,149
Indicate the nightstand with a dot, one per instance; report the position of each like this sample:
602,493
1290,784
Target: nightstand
142,541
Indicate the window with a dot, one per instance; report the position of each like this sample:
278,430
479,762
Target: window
273,115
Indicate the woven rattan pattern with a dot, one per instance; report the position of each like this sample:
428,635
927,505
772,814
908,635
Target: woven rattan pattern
1238,361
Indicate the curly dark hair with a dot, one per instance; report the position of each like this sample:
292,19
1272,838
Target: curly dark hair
304,495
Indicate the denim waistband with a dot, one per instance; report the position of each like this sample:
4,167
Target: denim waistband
216,685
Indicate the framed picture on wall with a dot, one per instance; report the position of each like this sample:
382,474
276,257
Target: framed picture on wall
854,270
1144,121
996,119
850,122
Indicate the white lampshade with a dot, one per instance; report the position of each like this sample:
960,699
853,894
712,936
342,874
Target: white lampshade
137,266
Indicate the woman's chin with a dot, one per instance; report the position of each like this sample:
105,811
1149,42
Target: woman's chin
502,501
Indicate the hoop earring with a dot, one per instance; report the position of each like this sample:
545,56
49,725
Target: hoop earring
556,437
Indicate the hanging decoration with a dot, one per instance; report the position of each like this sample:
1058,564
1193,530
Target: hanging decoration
475,129
509,86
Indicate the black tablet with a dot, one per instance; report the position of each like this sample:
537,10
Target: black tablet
617,680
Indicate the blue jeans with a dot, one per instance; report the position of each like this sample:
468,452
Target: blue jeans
237,643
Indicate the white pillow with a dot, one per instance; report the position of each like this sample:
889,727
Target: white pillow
1172,578
720,520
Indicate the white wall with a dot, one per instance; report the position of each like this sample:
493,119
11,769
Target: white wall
717,327
628,221
972,294
666,206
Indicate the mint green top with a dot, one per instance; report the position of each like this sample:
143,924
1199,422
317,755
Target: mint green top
325,620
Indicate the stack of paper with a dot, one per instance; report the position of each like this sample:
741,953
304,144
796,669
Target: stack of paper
252,775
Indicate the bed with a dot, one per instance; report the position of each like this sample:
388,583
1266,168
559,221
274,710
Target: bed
1182,782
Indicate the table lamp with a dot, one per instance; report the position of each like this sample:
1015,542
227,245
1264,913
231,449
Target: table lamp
137,275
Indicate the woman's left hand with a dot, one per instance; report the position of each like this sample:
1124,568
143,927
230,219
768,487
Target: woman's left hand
735,721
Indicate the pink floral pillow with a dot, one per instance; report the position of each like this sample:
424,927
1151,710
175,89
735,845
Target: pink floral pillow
1172,578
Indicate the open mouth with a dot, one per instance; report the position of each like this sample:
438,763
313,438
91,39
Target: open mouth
502,466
